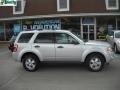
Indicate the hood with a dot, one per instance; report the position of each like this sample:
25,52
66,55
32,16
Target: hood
98,43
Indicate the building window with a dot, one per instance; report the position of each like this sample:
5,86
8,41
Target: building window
19,8
112,4
2,32
62,5
88,20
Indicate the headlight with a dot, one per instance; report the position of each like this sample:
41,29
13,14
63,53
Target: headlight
109,49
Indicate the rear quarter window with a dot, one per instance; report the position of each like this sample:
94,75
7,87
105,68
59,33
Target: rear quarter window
25,37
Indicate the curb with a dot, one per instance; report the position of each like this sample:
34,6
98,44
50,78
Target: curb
3,45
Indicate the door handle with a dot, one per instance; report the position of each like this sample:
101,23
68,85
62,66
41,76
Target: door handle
37,46
60,47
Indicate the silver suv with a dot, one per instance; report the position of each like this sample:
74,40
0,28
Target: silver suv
33,47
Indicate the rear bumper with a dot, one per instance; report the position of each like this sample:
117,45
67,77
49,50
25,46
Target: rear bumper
15,56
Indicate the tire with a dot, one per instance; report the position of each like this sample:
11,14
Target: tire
115,48
30,62
95,62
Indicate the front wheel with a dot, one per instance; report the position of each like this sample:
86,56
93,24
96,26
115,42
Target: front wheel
95,62
31,63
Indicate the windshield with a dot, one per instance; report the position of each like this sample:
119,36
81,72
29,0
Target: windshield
117,35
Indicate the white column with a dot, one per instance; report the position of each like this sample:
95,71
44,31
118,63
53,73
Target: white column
81,28
21,25
116,19
95,27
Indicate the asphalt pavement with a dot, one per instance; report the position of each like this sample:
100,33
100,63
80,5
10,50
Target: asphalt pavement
60,76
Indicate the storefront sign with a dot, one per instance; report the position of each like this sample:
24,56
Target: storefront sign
8,2
42,25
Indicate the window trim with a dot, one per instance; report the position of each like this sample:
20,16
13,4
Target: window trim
22,8
63,9
112,8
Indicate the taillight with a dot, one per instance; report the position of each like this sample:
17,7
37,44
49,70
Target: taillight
15,47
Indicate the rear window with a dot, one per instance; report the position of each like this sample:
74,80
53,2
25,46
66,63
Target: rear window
25,37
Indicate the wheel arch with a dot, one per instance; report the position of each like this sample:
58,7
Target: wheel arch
27,53
95,53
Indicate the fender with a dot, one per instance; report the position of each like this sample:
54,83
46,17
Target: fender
34,51
92,50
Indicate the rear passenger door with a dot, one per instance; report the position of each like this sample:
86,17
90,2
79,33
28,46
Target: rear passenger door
44,42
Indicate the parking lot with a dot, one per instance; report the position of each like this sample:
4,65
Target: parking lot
62,76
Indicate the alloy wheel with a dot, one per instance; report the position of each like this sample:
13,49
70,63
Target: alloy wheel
95,63
30,63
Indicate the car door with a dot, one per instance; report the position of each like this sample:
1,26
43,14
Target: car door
67,48
44,43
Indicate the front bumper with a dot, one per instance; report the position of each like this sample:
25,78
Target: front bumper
110,56
118,47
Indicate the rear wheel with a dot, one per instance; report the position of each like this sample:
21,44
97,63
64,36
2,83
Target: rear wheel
95,62
30,62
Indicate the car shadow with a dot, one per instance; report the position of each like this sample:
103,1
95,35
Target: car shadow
62,65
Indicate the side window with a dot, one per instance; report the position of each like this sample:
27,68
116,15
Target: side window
25,37
63,38
44,38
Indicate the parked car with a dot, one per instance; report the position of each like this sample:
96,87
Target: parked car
11,43
33,47
114,39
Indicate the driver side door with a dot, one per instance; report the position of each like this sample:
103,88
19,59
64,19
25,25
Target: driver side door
67,48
